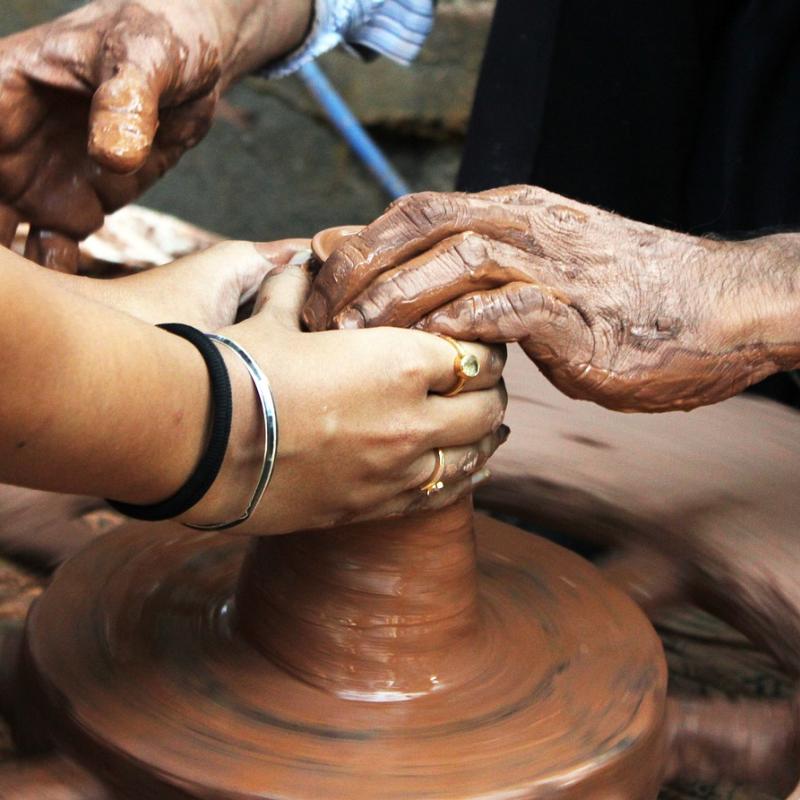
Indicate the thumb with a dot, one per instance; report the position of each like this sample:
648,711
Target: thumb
123,119
282,295
252,271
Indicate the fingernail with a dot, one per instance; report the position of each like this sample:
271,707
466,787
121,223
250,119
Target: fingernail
300,257
481,476
503,433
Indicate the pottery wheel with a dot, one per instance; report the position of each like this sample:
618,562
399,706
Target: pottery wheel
381,660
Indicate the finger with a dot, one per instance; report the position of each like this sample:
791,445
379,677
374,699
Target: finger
188,123
458,421
285,250
554,335
518,312
123,119
113,190
520,194
9,220
53,250
22,105
442,360
282,295
459,462
240,266
410,226
179,129
414,501
252,271
460,264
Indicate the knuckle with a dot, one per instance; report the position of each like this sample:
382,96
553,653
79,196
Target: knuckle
496,361
463,318
426,210
473,250
352,505
402,439
411,371
409,361
566,217
468,462
536,195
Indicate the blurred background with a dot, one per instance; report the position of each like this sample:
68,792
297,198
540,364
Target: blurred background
272,166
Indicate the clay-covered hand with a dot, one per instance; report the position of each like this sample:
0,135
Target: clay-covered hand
204,289
628,315
360,415
96,105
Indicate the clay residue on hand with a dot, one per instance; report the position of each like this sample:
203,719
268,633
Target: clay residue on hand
624,314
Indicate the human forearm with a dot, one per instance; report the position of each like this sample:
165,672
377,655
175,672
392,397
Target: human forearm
255,32
769,311
94,402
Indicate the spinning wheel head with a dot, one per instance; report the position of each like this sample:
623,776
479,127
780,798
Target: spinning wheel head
323,665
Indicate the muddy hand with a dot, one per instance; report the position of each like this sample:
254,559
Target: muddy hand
96,105
628,315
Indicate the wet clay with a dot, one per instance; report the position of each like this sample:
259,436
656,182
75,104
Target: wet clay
399,659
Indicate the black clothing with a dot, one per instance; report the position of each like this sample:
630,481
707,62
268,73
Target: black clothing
684,114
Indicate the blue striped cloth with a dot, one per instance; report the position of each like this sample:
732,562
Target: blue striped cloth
396,29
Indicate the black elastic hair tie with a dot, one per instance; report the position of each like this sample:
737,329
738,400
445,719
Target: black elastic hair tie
207,469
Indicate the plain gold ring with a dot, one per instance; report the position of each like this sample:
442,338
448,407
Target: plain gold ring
434,483
465,366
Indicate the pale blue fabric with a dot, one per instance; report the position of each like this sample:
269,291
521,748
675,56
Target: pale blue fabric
396,29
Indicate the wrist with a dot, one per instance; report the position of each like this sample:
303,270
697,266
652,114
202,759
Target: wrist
231,491
255,32
179,437
769,307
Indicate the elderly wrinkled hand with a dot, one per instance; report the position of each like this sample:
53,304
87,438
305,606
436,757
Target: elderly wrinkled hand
628,315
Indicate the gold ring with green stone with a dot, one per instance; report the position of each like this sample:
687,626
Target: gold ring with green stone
465,366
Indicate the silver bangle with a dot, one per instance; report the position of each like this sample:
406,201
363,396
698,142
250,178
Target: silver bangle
270,433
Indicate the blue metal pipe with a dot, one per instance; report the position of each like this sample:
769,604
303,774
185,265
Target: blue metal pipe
352,131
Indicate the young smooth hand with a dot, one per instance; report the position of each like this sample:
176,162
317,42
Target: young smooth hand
96,105
360,416
204,289
627,315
